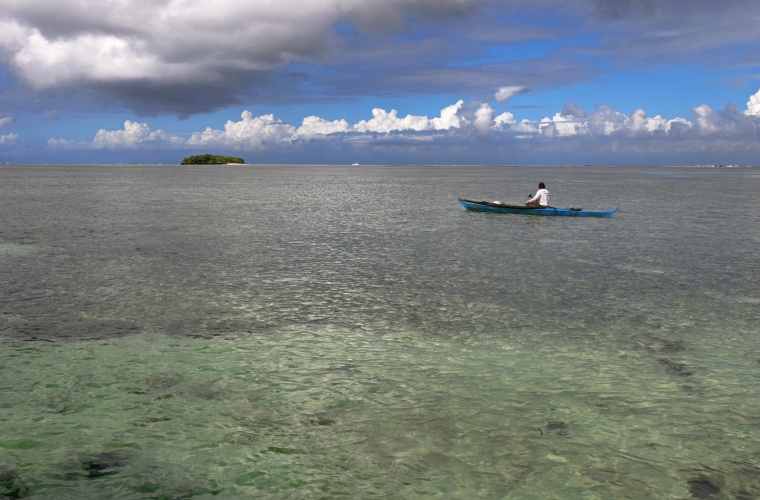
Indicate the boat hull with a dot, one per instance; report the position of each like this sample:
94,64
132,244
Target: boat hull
484,206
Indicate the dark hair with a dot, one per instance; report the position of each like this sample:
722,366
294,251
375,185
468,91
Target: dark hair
541,185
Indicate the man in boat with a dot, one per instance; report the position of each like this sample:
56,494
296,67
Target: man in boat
541,199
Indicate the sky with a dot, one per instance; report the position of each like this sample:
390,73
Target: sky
502,82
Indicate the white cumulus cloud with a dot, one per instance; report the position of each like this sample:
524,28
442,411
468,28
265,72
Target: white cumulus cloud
525,127
504,121
450,117
383,121
640,123
314,126
8,139
753,105
252,132
484,118
457,121
605,121
705,119
133,135
566,125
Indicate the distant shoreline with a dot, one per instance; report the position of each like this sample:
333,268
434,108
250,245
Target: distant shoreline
423,165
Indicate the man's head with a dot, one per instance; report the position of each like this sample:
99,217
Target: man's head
541,185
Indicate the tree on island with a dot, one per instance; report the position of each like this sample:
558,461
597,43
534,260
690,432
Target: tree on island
211,160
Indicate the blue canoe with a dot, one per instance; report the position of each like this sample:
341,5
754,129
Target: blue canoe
485,206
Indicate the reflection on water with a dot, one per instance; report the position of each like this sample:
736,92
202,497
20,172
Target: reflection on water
320,332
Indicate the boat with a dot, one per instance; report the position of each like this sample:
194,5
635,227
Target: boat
503,208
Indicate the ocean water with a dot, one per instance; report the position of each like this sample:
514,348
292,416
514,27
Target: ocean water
294,332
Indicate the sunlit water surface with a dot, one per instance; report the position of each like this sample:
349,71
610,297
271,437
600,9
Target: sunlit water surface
324,332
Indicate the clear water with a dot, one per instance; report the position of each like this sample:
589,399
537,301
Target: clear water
325,332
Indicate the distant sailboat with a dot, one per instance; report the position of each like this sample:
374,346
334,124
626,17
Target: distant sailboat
354,164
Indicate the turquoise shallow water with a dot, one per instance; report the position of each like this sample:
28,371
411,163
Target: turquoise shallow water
324,332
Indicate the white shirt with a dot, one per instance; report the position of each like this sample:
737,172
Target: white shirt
542,196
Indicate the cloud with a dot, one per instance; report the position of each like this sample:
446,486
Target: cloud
705,119
66,144
461,126
314,126
562,125
505,93
384,122
133,135
606,121
6,121
250,132
753,105
258,132
571,108
640,123
484,118
450,117
8,139
549,129
708,124
639,33
191,56
504,121
200,52
525,128
267,131
625,9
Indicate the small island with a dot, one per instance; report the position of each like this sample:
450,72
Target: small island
211,160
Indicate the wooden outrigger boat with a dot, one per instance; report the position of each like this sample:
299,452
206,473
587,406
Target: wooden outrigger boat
502,208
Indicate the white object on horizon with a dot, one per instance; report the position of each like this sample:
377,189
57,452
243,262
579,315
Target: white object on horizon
354,164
